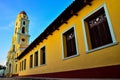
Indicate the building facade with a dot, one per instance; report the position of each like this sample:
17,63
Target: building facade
82,42
2,70
20,41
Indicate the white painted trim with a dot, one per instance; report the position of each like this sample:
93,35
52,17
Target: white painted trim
63,57
42,65
71,57
84,32
110,24
110,27
62,44
102,47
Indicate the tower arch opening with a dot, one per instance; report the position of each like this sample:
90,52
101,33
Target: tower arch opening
23,30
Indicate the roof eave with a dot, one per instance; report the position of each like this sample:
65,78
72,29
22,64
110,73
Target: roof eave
61,19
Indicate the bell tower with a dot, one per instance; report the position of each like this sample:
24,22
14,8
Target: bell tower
20,42
21,33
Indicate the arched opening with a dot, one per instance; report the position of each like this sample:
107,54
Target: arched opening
23,30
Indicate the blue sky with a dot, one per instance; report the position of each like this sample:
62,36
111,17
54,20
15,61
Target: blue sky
40,12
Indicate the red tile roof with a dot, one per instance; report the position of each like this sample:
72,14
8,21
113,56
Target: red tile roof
23,12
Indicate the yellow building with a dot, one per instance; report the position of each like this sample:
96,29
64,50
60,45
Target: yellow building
82,42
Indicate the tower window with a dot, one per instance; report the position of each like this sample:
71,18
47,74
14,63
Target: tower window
23,39
23,30
23,22
13,47
24,16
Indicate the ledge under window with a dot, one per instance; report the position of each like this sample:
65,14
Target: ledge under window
70,57
105,46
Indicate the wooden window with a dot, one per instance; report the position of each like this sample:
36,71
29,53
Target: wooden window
20,66
69,43
10,68
16,68
98,29
24,64
31,61
36,59
42,56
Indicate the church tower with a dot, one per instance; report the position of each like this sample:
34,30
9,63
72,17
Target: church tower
21,33
20,42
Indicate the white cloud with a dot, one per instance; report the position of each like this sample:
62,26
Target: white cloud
9,26
7,16
3,62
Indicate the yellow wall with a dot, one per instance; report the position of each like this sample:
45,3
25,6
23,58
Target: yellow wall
54,60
